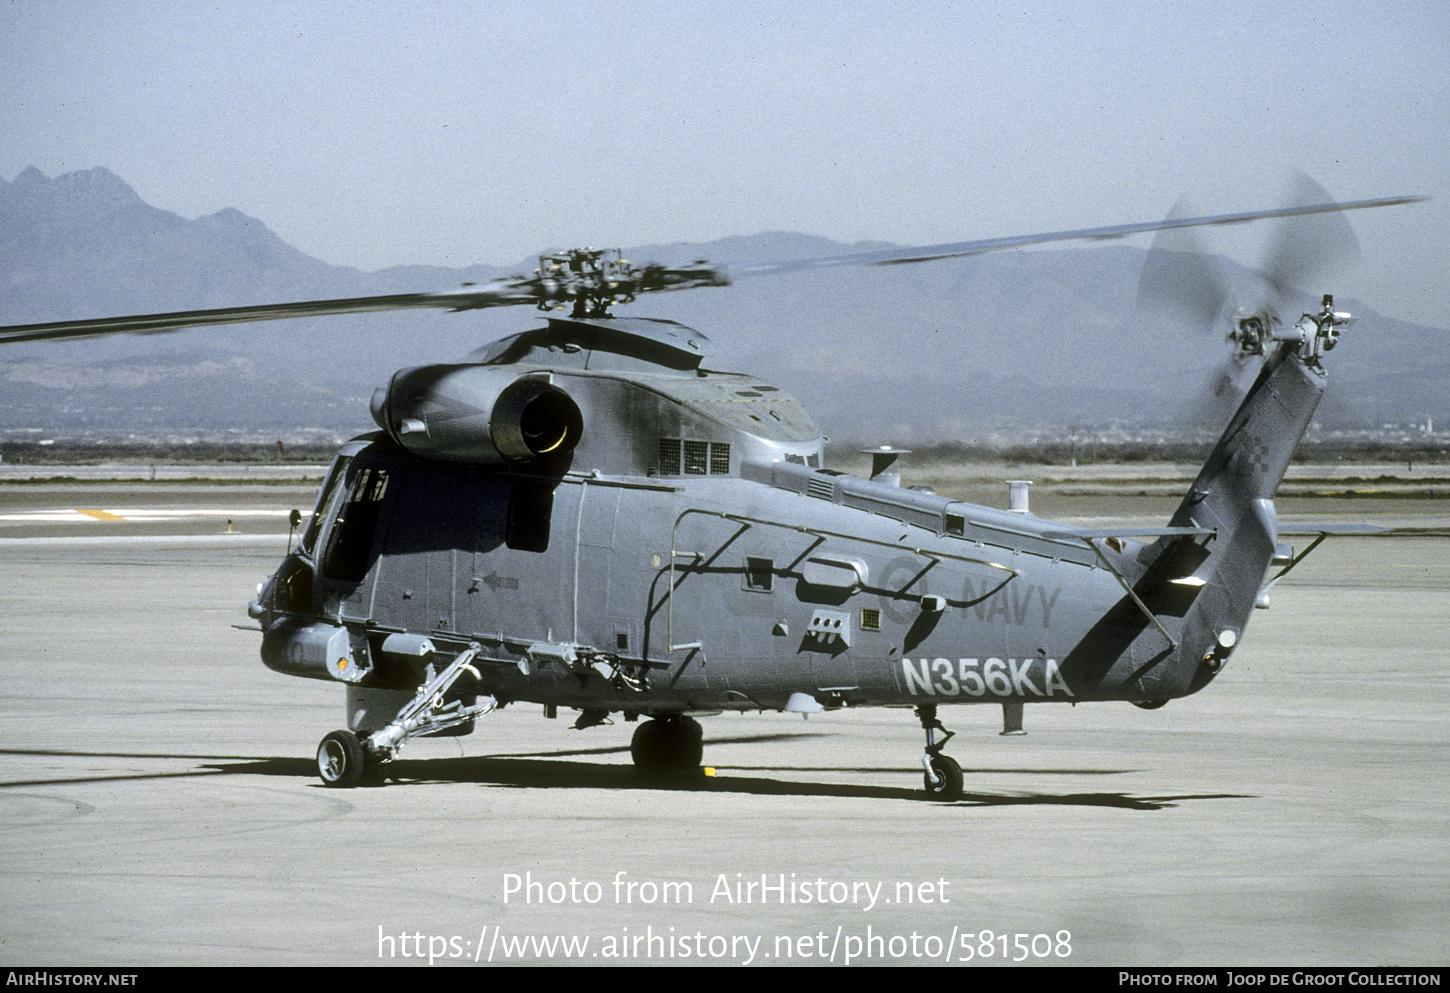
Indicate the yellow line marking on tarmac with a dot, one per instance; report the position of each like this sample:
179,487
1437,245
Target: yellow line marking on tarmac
100,515
137,515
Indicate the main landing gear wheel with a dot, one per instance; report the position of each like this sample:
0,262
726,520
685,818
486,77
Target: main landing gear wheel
943,777
341,760
667,744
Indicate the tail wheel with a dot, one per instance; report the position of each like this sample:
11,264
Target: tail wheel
341,760
943,778
668,744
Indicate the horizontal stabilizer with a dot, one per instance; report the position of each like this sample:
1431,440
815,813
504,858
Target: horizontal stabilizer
1128,531
1330,529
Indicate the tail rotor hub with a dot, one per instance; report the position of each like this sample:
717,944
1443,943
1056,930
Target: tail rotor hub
1249,333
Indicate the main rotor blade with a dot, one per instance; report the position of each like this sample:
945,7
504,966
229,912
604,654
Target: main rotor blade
898,256
513,291
499,293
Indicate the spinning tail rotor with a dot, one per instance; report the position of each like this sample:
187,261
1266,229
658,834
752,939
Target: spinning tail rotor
1182,286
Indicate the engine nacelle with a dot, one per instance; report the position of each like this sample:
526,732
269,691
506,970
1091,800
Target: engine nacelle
472,413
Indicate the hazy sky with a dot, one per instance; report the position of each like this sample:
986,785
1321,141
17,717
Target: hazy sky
372,134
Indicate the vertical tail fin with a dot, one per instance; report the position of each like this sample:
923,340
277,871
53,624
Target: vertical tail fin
1253,453
1234,494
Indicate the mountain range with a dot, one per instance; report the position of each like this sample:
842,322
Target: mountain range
1028,341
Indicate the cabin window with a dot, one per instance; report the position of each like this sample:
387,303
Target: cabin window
759,574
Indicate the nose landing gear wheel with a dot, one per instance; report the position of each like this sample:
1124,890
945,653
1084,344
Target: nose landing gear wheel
341,760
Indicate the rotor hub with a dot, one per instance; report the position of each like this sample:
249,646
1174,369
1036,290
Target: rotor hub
1314,334
593,280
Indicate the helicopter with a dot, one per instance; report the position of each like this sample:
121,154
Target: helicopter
586,515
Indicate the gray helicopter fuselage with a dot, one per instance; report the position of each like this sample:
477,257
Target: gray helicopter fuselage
688,554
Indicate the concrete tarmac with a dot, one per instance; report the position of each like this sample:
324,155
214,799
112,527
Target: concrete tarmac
159,803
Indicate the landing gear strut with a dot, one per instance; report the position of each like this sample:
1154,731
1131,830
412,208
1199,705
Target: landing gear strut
344,759
668,743
943,776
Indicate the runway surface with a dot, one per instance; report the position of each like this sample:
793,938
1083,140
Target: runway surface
159,804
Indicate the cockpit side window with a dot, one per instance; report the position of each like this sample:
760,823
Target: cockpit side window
314,527
350,545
